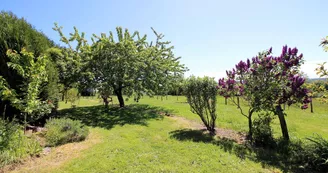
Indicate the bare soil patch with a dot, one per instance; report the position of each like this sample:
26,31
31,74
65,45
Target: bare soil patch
54,157
238,137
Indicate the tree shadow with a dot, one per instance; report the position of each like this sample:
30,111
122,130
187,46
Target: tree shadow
100,116
278,157
202,136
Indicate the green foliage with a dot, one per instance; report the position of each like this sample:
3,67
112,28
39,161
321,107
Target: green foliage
318,89
68,65
201,96
316,154
52,89
33,71
262,131
16,34
127,62
72,96
322,71
310,155
62,131
14,145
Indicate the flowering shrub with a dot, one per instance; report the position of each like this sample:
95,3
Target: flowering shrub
266,82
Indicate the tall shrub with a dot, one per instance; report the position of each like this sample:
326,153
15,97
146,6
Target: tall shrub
201,96
17,34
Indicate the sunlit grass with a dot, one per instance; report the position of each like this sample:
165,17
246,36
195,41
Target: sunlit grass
151,148
301,123
137,139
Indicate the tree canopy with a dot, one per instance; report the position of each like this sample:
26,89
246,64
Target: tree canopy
125,62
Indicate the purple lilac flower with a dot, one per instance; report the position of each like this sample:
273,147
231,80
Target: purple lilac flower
305,106
248,63
284,50
301,56
294,51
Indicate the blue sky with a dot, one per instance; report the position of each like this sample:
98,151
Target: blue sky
211,36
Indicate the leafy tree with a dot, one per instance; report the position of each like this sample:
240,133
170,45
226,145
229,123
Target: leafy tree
322,71
129,63
201,96
33,71
318,90
267,82
51,89
16,34
72,96
176,88
71,60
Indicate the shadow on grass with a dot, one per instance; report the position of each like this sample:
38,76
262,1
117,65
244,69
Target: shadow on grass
279,156
201,136
99,116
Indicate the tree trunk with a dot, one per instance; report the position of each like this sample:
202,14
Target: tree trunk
311,105
250,125
63,96
119,95
238,102
225,101
250,128
3,110
283,123
212,131
105,99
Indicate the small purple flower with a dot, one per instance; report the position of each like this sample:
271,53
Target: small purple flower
231,81
284,50
253,60
270,50
241,66
248,63
304,106
306,100
294,51
221,82
301,56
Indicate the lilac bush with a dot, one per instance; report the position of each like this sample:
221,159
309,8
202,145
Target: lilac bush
266,82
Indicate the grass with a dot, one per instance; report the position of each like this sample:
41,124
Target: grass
138,139
301,123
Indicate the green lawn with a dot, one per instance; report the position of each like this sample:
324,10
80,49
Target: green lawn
138,139
152,148
301,123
